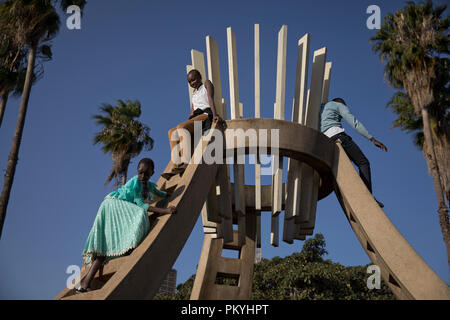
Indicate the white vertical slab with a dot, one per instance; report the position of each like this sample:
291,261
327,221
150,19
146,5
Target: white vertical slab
258,230
227,230
308,183
227,223
222,179
274,231
212,57
326,82
233,74
224,192
298,115
289,229
279,111
241,110
293,186
301,80
191,90
239,188
277,188
306,109
307,227
306,191
241,230
257,115
277,182
281,74
212,203
239,183
210,227
315,99
198,62
257,183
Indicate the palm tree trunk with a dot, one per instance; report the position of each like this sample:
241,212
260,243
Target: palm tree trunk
434,170
3,106
14,153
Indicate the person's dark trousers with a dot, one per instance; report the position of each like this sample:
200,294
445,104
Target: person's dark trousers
356,156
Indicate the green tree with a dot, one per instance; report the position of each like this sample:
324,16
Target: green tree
122,136
314,248
303,276
30,24
412,42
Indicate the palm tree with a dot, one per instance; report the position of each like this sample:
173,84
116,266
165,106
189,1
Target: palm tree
13,68
122,135
9,63
411,41
30,24
407,120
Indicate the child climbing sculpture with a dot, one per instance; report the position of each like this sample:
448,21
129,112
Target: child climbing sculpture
122,221
331,114
202,109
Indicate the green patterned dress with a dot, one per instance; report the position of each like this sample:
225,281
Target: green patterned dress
121,222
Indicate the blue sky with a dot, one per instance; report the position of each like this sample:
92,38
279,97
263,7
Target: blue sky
138,50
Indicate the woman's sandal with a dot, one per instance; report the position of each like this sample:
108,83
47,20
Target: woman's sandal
81,290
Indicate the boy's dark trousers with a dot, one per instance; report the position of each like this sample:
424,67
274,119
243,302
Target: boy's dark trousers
356,156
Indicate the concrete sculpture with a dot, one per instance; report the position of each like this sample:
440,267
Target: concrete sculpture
316,168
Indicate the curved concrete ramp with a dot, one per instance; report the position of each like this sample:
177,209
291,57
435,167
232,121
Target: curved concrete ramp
406,273
139,275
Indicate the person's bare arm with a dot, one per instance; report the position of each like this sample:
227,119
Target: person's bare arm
162,211
210,90
378,144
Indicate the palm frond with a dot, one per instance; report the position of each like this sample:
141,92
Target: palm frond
122,135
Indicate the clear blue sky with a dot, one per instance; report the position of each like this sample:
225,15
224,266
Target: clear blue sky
138,50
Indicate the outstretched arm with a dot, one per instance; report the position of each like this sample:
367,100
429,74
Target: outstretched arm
344,111
378,144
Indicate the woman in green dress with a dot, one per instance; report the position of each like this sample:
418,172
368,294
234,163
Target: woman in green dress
122,221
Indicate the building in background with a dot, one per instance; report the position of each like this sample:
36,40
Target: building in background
170,283
258,255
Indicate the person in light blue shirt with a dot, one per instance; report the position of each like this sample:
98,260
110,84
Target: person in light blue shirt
331,115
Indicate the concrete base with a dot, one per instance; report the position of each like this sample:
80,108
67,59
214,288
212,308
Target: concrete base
213,266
